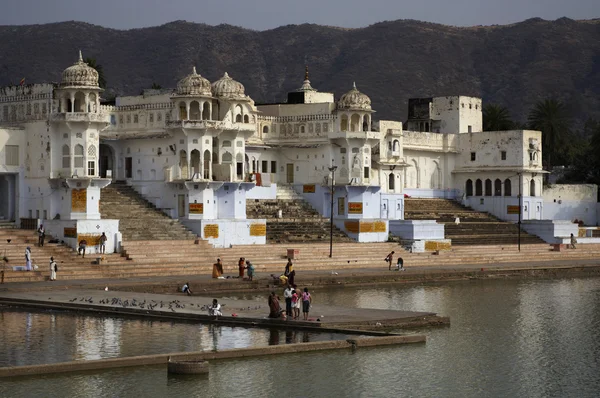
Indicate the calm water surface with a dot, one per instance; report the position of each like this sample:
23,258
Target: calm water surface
507,339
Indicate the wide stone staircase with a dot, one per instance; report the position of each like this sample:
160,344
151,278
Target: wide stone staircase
299,222
475,228
139,219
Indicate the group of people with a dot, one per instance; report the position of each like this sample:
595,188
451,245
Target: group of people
243,265
294,298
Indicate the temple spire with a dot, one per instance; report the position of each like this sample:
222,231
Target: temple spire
306,72
80,56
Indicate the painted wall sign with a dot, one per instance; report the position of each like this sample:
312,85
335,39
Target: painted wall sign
379,226
79,200
91,239
352,226
70,232
512,209
355,208
196,208
258,230
308,188
211,231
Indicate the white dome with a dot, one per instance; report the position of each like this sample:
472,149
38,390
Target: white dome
226,87
355,100
194,84
79,74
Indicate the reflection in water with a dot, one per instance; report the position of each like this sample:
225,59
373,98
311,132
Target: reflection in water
508,338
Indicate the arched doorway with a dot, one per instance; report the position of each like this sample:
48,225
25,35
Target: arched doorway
469,188
507,188
497,187
183,165
107,162
207,160
532,187
195,159
478,188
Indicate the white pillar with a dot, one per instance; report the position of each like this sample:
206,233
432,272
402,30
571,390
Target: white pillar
87,102
72,102
187,110
201,109
210,111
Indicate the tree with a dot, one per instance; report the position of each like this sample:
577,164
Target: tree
496,118
552,118
93,64
156,86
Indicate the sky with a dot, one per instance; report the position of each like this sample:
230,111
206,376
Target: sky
269,14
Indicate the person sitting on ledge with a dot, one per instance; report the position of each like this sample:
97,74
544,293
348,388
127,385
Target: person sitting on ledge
186,289
81,249
215,309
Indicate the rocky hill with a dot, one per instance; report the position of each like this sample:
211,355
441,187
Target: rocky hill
514,65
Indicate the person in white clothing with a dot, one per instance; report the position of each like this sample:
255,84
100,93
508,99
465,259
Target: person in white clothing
215,309
28,266
53,269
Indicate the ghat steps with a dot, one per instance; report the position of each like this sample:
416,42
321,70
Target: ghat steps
299,222
475,228
138,218
183,257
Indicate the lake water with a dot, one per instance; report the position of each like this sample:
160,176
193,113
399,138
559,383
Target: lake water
537,338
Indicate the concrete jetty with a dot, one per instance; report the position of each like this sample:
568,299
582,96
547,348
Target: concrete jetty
235,312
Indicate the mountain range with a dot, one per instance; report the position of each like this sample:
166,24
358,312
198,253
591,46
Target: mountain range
511,65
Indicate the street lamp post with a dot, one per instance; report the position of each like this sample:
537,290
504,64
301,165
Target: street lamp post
520,208
332,169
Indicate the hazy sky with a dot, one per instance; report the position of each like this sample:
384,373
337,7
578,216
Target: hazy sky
267,14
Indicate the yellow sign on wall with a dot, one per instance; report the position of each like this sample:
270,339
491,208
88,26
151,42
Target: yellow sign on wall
366,227
513,209
258,229
70,232
352,226
431,245
379,226
211,231
196,208
355,208
308,188
79,200
92,240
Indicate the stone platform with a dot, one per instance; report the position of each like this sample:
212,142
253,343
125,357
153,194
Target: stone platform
235,312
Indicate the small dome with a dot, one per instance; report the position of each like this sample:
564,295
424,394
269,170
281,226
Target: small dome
354,99
228,88
79,74
194,84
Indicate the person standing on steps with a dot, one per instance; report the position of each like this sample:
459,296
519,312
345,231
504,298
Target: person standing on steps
287,294
82,246
53,269
389,259
103,243
241,268
250,269
217,269
41,235
306,302
573,242
28,266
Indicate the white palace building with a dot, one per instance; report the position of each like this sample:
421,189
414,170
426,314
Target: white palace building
199,151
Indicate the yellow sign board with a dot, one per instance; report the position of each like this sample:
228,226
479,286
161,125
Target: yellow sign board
79,200
70,232
211,231
258,230
352,226
513,209
379,226
355,208
92,240
196,208
308,188
366,227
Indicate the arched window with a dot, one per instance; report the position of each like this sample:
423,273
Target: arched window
366,124
344,123
497,187
469,188
507,188
478,188
246,119
396,145
354,122
182,111
66,157
78,156
227,158
265,129
302,129
195,110
391,182
238,118
206,111
488,187
532,187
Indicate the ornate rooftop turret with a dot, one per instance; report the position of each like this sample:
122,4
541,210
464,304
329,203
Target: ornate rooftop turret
306,84
354,100
194,84
226,87
80,74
